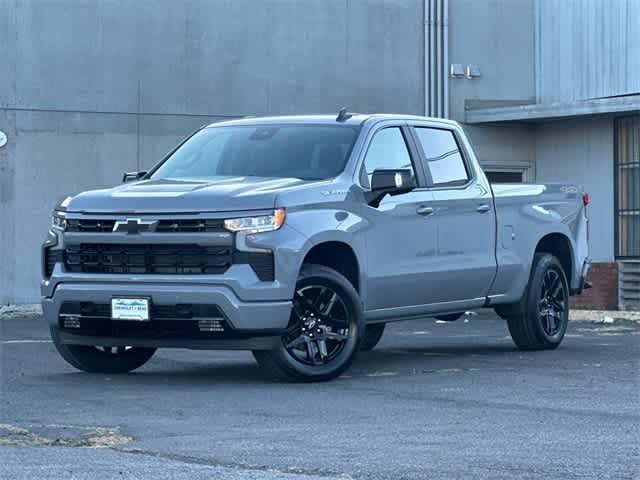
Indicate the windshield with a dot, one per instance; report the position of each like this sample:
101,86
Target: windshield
309,152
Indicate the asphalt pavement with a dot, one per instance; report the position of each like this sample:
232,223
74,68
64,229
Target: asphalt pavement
434,400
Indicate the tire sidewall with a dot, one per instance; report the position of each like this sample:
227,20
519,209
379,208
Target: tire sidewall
546,263
323,275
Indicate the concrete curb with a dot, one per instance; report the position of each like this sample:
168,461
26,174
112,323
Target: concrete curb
596,316
15,311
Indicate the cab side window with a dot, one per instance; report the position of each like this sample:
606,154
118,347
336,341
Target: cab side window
442,155
387,150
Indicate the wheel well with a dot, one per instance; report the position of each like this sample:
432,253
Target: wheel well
559,246
340,257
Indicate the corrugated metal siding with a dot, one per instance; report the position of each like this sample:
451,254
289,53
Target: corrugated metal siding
587,49
629,285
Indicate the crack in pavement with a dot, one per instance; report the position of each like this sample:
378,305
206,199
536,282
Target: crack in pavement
110,438
195,460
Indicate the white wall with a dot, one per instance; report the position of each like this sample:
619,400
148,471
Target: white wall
581,151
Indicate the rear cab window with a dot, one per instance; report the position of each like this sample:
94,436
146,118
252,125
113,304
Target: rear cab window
442,157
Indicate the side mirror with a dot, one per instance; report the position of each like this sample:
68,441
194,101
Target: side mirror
390,182
133,176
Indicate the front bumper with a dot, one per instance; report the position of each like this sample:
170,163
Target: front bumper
251,306
255,342
248,325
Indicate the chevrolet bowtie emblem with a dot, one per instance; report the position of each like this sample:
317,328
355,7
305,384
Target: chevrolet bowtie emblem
134,225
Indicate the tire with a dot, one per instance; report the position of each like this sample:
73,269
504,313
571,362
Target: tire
540,321
102,360
300,356
372,335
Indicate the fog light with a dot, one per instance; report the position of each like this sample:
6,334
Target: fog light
210,326
71,321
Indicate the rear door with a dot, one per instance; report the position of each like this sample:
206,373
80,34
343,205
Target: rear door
464,217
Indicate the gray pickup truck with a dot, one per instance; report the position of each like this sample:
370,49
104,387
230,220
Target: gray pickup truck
298,238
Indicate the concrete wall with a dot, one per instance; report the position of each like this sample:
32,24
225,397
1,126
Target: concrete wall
506,145
581,151
498,36
89,89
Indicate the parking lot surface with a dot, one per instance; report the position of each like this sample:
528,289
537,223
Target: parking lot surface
433,400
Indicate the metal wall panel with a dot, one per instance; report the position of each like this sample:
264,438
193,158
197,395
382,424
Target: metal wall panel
581,152
587,49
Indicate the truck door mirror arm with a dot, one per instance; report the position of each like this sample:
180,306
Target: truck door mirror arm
389,182
133,176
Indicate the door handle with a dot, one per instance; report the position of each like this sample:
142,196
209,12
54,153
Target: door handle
483,208
424,211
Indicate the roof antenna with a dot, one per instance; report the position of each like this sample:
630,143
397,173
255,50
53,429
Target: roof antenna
343,115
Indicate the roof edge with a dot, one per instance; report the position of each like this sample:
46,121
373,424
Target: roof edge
549,111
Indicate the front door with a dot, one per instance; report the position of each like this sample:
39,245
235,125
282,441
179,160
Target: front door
400,237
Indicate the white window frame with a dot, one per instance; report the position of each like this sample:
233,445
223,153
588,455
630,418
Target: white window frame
524,168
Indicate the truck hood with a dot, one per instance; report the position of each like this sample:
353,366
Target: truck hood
219,194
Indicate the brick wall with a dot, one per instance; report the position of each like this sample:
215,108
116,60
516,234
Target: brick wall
604,294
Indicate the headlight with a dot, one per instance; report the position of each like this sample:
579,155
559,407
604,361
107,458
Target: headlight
58,220
263,223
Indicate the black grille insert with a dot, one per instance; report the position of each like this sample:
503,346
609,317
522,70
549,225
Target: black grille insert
180,311
190,226
261,262
90,225
167,321
51,257
147,259
93,225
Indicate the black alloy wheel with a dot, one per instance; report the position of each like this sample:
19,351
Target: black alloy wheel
319,327
324,329
553,302
539,321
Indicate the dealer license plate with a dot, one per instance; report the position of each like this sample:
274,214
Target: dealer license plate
130,309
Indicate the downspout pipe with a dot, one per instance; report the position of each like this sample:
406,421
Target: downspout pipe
432,58
427,49
438,109
445,47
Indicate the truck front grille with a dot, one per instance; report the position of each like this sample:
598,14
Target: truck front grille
92,225
147,259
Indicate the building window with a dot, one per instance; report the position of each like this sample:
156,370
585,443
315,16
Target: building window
627,194
512,172
504,177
